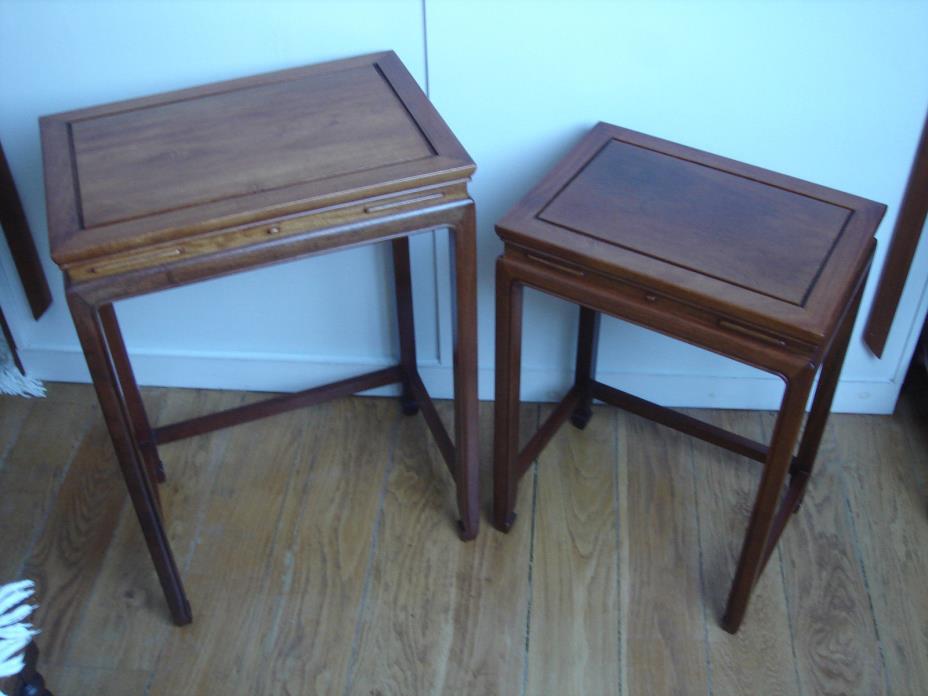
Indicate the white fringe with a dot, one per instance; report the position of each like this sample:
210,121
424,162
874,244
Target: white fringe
12,381
15,631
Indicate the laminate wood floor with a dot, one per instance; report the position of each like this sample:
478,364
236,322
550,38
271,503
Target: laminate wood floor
320,558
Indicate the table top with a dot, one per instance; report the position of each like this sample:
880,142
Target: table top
754,244
128,175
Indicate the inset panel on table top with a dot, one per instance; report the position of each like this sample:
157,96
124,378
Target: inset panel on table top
701,218
188,152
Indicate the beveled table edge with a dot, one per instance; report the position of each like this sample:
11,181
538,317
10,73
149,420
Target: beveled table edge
451,162
812,322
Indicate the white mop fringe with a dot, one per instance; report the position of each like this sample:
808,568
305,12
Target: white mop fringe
13,382
15,632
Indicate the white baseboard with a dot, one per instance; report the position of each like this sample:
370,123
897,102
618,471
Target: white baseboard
283,373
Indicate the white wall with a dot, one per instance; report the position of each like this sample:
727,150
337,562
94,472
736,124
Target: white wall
832,92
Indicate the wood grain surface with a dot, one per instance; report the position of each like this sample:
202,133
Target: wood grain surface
836,647
236,545
32,473
573,637
323,550
129,583
663,617
126,175
760,658
615,587
887,504
670,208
754,245
440,616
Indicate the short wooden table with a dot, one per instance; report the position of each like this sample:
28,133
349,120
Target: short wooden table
172,189
753,265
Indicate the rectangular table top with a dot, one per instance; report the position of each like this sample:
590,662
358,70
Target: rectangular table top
128,175
777,250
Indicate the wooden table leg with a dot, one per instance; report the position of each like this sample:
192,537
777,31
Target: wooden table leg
405,321
90,331
800,474
466,470
585,372
779,458
141,428
31,683
508,376
821,403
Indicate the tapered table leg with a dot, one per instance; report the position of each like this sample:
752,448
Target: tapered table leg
466,471
779,457
141,428
585,372
31,682
824,394
405,322
90,331
506,417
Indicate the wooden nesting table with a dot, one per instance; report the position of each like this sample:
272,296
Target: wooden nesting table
176,188
756,266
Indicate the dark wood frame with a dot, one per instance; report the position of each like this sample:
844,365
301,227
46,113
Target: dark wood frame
516,270
22,247
654,260
136,441
180,245
908,230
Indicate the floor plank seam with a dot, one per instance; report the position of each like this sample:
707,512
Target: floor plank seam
83,615
702,575
202,512
369,566
858,554
789,620
618,554
531,561
919,474
53,500
216,462
275,539
873,509
765,431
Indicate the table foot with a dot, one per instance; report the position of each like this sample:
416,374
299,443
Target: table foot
465,533
581,417
182,615
30,682
409,404
505,524
728,625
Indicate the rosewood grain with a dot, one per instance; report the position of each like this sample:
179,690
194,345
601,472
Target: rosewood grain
167,190
751,264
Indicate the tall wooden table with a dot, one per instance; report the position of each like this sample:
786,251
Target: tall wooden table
176,188
756,266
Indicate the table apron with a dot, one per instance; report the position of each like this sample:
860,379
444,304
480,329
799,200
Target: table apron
746,347
177,271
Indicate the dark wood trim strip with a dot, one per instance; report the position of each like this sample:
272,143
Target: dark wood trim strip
22,247
432,419
912,213
11,343
276,405
541,438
